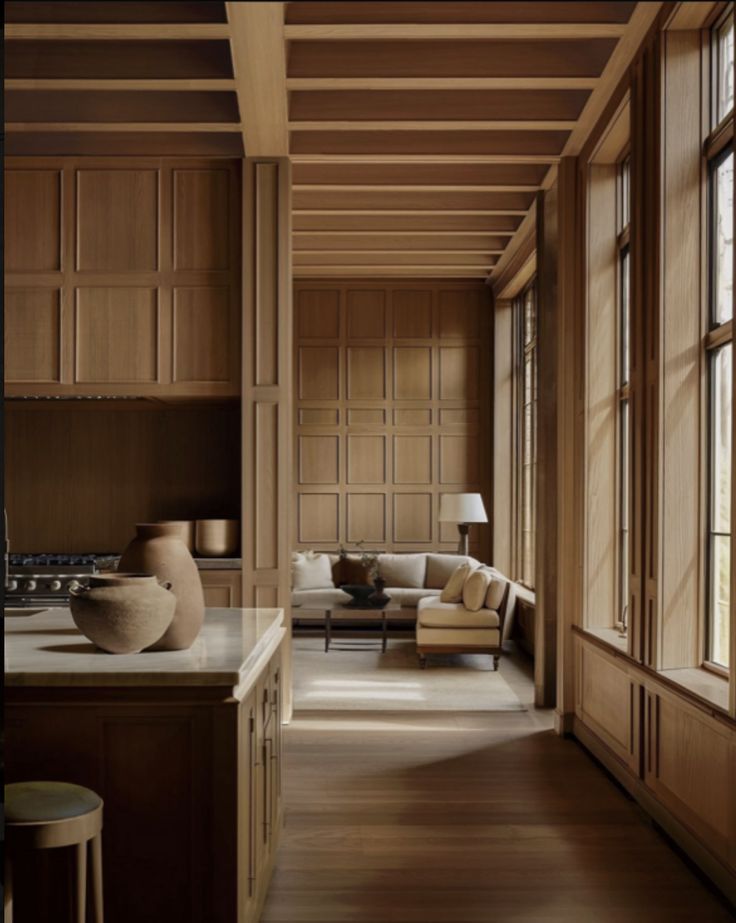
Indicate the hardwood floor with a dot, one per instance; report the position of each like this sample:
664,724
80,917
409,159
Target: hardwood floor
421,818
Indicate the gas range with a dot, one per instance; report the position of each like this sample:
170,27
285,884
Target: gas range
44,579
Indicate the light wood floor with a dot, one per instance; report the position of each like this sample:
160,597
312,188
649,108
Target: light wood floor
465,818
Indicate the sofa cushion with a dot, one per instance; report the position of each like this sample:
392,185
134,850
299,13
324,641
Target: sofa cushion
494,596
466,638
310,571
402,570
475,589
453,590
409,597
434,614
440,568
318,599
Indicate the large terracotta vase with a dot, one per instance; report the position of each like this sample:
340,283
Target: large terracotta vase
158,549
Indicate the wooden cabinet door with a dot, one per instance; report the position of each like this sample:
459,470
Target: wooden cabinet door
222,588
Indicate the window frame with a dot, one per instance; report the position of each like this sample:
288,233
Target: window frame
717,147
623,390
522,351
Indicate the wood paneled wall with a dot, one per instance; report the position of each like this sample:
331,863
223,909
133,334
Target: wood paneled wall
79,476
122,276
393,408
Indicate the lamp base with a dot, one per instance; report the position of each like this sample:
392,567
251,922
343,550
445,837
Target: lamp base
462,546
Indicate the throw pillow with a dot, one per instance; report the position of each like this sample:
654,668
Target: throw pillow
453,591
350,571
403,570
311,571
494,596
475,589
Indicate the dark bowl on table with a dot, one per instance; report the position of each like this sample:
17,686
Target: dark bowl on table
360,593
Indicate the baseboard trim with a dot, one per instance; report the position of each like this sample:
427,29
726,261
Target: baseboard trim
564,723
721,876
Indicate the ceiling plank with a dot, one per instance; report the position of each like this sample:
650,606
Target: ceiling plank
420,212
380,223
408,187
454,31
74,127
410,159
472,11
435,125
351,237
375,272
197,84
101,31
259,63
419,174
373,199
440,83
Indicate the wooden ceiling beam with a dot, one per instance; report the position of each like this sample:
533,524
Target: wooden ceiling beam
197,84
256,32
445,252
373,272
101,32
400,234
423,212
504,31
438,125
440,83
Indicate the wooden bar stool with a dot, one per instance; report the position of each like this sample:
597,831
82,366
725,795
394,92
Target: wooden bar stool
46,815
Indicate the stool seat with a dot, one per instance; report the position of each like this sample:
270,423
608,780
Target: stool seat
49,815
44,802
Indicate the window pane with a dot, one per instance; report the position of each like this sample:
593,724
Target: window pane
722,306
721,444
724,66
720,604
625,302
624,193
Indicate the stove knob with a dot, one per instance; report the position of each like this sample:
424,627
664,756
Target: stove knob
29,585
55,585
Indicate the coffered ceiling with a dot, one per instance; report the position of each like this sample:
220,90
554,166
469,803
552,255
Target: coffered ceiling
420,133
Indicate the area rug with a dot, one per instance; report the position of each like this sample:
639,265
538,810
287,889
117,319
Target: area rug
356,676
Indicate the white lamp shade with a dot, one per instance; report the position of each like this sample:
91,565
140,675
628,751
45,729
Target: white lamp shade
462,508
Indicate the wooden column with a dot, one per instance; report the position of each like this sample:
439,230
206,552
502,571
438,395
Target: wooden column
547,551
504,431
570,346
267,391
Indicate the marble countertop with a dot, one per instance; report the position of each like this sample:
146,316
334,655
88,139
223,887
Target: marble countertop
46,649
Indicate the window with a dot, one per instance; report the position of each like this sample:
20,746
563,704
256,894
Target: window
622,375
719,350
526,313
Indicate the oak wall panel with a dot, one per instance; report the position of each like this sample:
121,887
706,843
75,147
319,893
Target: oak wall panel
201,219
366,314
117,220
392,410
32,220
33,335
202,334
117,334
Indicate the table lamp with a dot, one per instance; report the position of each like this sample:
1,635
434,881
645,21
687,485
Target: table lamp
462,509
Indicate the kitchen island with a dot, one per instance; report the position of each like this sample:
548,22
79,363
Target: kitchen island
184,747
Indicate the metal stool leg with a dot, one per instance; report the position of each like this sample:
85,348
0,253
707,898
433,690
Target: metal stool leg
96,847
80,905
8,890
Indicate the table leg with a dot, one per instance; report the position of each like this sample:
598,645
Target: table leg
385,632
328,630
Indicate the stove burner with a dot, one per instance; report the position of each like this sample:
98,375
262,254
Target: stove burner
51,560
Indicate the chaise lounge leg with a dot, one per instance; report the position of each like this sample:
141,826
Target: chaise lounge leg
422,661
496,658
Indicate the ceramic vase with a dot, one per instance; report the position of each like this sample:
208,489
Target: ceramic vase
158,549
216,538
122,613
378,597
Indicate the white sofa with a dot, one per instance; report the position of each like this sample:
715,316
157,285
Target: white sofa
414,581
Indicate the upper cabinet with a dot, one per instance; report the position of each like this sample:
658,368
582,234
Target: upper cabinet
122,277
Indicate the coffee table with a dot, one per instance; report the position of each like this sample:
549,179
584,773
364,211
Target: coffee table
345,613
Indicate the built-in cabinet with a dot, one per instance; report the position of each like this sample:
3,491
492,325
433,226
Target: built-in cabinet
222,588
677,755
122,277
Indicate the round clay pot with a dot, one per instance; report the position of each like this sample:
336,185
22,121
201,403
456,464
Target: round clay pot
157,549
216,538
122,613
184,529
